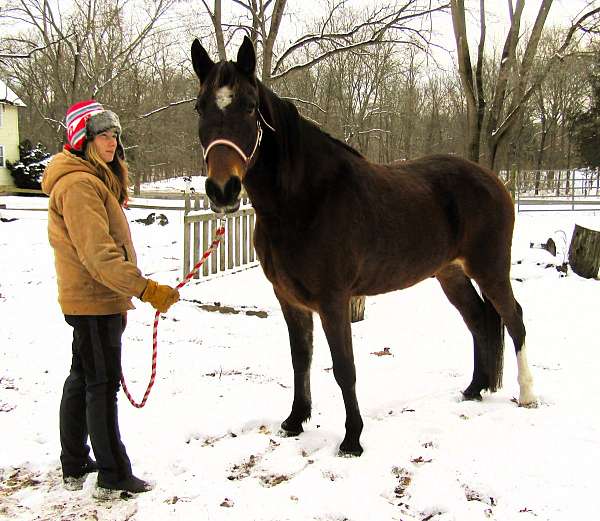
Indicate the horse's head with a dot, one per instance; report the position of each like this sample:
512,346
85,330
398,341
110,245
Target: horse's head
230,127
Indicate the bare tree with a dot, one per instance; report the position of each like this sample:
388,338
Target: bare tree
76,54
400,23
490,122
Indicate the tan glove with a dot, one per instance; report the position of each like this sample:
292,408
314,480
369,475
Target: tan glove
159,296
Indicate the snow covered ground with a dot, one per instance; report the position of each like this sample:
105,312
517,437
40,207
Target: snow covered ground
208,436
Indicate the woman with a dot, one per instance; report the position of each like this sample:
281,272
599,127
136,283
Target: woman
97,275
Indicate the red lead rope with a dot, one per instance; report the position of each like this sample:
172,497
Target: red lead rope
213,247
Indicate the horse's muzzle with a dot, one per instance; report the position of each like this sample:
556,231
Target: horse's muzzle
224,199
225,209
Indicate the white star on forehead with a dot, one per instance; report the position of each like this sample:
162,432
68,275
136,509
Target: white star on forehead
224,97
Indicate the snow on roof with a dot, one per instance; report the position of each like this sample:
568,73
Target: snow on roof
8,96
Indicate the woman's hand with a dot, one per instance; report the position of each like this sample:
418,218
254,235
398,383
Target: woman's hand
160,296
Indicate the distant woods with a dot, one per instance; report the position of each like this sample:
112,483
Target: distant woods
380,78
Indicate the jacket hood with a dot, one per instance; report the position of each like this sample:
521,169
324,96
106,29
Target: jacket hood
62,164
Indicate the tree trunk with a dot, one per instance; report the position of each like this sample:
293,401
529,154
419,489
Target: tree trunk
137,183
584,252
357,309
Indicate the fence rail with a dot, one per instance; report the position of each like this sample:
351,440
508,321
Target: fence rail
558,190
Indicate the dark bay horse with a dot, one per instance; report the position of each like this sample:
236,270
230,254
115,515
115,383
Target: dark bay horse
331,225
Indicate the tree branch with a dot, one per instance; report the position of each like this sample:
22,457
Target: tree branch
379,25
170,105
36,49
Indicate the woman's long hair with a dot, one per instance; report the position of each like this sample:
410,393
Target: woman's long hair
114,174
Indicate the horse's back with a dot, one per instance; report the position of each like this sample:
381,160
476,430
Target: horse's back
467,191
456,173
433,211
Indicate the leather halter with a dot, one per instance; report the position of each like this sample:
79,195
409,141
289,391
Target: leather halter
231,144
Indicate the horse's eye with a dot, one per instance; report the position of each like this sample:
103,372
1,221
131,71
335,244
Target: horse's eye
251,107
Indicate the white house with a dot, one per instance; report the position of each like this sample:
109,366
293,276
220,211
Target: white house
9,131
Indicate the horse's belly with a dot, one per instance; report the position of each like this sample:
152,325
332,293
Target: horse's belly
386,284
378,277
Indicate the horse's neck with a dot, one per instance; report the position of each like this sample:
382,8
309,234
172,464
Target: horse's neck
275,206
265,201
295,169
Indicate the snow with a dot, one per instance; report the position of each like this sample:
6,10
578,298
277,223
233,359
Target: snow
208,436
8,96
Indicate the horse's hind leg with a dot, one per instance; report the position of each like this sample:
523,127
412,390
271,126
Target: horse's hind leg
499,291
300,329
483,325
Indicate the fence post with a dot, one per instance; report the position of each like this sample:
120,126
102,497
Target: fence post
237,222
518,182
229,242
245,244
214,259
205,239
251,236
196,235
222,263
573,192
186,245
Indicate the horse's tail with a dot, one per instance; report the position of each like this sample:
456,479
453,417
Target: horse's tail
493,355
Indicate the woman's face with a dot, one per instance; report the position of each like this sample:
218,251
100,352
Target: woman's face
106,145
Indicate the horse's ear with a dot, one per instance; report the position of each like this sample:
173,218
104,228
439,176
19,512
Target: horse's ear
201,61
246,57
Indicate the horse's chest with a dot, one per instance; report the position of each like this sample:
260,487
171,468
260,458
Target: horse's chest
285,272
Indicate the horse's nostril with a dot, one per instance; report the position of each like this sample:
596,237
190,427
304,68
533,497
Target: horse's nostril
213,191
232,189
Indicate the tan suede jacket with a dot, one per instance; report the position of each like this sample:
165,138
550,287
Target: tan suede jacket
96,264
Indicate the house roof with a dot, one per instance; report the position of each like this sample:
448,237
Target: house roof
8,96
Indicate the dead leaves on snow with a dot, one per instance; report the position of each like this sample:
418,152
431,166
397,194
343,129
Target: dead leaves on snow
14,480
385,352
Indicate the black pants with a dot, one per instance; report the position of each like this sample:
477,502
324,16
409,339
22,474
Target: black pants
89,400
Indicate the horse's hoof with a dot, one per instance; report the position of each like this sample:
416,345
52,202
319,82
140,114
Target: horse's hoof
288,434
530,403
350,453
347,451
470,396
287,431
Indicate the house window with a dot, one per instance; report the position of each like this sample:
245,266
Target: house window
2,165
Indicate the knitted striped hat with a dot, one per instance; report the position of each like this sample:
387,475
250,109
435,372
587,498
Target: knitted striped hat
87,119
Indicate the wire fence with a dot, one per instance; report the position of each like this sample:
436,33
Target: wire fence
552,190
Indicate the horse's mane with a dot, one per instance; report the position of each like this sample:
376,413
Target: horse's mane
343,144
283,115
226,75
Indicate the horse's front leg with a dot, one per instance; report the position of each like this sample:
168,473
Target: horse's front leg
335,317
300,328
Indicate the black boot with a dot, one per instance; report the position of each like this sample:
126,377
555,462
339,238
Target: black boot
122,489
75,481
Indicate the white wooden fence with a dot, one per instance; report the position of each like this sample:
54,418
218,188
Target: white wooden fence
200,226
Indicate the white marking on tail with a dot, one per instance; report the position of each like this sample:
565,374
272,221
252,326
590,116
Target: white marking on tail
526,395
224,97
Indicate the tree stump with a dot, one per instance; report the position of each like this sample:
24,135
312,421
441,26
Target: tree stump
357,309
584,252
